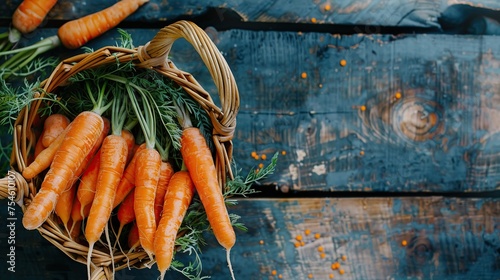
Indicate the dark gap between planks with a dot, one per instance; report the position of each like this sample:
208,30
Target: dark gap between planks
273,191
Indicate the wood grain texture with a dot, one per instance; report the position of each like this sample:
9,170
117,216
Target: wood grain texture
446,238
412,13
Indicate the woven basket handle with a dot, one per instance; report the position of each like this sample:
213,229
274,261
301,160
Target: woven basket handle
155,54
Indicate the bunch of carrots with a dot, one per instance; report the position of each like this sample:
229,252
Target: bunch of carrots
131,142
72,35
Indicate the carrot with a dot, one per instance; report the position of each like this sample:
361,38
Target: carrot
125,213
45,157
130,139
79,140
179,194
30,14
75,231
147,173
133,237
127,182
113,157
166,172
78,213
53,126
200,164
76,33
65,204
39,146
86,187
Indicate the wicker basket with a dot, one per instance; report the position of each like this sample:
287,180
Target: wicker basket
153,55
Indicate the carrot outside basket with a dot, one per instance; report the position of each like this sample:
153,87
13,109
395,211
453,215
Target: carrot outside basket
154,55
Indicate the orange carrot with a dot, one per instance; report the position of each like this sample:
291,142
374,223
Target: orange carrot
127,182
39,146
200,164
45,157
77,33
166,172
112,163
30,14
129,137
87,185
147,173
53,126
78,213
65,204
125,213
133,237
179,194
78,142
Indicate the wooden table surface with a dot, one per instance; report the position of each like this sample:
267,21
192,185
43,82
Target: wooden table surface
391,160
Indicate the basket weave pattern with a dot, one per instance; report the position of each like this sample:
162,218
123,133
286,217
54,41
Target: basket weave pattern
153,55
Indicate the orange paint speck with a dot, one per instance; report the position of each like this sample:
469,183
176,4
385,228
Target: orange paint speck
274,272
327,7
307,231
362,108
322,255
302,243
303,75
298,237
296,244
283,153
263,157
335,265
261,165
331,276
398,95
343,62
317,235
310,276
341,271
313,20
404,243
321,249
344,258
280,276
261,242
362,153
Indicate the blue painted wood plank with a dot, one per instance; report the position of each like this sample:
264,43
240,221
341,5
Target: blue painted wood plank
406,113
446,238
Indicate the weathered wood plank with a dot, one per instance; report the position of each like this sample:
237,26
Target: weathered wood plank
446,238
411,13
406,113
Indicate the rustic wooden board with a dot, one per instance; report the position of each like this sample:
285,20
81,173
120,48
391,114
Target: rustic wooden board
446,238
367,15
406,113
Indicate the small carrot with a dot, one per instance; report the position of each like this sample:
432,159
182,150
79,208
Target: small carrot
147,173
166,172
65,204
77,33
45,157
179,194
125,213
53,126
127,182
30,14
78,213
130,139
133,237
39,146
79,140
